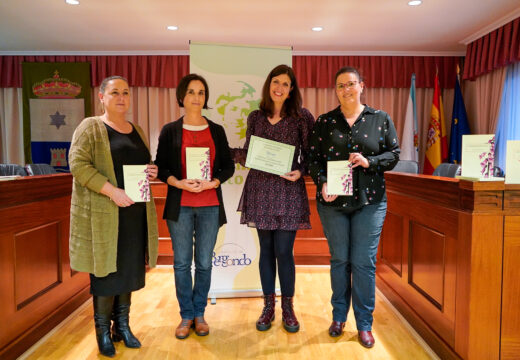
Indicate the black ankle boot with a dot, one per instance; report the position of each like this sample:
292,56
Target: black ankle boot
102,315
121,328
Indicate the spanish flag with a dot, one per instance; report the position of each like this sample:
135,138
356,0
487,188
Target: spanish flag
437,143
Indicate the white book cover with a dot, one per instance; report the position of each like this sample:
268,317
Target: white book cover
339,178
478,156
513,162
198,163
137,186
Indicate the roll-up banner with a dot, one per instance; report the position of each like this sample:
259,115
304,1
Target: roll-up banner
235,76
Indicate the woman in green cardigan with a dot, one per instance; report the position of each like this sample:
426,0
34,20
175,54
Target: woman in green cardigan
111,237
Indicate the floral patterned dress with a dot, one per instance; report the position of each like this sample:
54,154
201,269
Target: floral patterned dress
270,202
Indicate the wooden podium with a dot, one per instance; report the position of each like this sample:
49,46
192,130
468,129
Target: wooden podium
448,261
37,287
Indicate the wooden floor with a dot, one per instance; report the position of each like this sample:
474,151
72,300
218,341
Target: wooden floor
155,314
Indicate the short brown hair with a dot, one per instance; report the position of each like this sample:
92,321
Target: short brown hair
182,88
348,69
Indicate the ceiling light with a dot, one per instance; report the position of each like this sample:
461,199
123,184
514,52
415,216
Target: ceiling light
172,27
317,28
415,2
72,2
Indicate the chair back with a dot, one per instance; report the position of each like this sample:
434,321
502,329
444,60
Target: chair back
12,169
447,170
407,166
39,169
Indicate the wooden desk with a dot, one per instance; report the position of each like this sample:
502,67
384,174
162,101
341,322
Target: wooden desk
448,261
310,246
37,287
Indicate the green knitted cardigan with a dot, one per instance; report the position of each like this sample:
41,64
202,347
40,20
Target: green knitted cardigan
94,218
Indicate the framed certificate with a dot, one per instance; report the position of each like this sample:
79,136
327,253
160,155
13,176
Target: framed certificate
198,163
269,156
137,186
339,178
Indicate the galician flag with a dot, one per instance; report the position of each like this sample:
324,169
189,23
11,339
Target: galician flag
436,143
409,142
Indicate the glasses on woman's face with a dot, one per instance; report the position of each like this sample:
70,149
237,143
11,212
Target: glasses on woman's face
347,85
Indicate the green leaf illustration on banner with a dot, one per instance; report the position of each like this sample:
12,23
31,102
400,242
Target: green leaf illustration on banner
236,108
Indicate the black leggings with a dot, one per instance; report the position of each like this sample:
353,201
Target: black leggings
276,246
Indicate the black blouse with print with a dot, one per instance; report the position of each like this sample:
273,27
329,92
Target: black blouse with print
373,135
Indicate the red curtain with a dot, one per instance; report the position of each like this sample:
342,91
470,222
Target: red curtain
499,48
149,71
377,71
311,71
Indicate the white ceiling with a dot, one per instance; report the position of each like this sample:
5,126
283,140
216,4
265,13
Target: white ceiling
350,26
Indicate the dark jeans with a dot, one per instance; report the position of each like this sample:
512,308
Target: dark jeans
353,239
276,247
202,224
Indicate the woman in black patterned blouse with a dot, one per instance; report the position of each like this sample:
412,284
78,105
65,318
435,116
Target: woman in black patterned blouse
352,224
277,205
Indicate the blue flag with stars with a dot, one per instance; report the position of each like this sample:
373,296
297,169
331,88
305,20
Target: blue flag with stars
56,97
459,126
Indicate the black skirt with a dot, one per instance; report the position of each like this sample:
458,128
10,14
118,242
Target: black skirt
126,149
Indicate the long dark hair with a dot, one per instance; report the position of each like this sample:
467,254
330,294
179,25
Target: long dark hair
292,105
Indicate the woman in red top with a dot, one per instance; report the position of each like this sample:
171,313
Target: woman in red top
194,209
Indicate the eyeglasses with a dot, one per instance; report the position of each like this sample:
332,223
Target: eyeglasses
347,85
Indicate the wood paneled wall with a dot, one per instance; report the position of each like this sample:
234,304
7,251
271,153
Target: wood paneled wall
37,287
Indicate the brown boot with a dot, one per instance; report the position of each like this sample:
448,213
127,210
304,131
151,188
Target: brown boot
201,326
290,323
183,330
264,322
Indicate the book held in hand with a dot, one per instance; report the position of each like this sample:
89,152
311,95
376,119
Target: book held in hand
339,178
137,185
198,163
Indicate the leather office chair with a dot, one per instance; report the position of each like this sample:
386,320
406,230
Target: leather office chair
12,169
447,170
39,169
407,166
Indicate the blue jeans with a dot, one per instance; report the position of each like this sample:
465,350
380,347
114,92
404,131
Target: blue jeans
353,239
201,224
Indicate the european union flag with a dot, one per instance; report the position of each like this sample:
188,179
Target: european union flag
459,126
